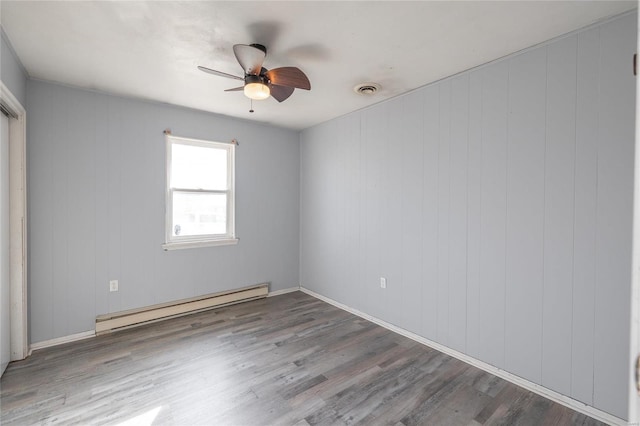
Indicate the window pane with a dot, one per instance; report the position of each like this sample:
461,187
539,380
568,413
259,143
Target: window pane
197,167
199,214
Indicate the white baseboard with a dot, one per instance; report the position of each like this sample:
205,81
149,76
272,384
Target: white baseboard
283,291
524,383
61,340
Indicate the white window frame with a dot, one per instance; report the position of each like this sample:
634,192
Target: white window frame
173,242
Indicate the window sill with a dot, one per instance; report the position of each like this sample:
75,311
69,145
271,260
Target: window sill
195,244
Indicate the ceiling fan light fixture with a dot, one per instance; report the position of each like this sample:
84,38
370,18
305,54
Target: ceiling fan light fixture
257,91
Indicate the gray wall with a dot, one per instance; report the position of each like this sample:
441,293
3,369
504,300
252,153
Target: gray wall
96,168
12,73
498,205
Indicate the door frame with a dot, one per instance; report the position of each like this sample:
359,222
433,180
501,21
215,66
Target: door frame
17,224
634,337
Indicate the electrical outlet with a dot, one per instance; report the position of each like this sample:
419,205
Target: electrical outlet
383,282
113,285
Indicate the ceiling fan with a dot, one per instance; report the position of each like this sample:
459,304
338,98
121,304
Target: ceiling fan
260,83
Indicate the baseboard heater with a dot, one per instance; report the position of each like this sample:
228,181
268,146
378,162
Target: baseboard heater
125,319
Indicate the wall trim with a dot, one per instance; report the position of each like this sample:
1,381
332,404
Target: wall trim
17,224
517,380
61,340
283,291
634,335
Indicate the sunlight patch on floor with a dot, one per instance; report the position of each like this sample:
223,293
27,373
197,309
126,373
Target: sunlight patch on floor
144,419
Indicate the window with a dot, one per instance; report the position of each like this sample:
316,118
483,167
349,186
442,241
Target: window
200,193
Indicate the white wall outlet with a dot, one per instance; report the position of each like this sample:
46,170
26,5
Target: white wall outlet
113,285
383,282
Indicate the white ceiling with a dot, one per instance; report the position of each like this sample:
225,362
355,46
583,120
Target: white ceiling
150,49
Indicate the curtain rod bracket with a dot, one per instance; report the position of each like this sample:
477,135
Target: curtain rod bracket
167,131
235,142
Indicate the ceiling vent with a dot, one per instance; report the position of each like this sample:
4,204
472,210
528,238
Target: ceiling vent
366,89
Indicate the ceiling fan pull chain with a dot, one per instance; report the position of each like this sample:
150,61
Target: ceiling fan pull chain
251,107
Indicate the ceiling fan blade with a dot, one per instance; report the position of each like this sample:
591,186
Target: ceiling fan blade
219,73
288,76
250,58
280,93
235,89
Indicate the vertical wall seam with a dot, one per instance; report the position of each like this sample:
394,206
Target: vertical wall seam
437,283
544,206
573,235
363,207
108,209
466,291
401,320
95,200
66,143
120,205
449,173
449,169
466,265
359,201
422,145
387,182
595,242
506,216
480,168
50,219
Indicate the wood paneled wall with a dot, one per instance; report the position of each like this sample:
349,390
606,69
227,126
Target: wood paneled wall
96,170
498,205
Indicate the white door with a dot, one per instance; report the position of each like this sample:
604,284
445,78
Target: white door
5,286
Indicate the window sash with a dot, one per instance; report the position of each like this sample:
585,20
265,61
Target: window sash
198,237
219,180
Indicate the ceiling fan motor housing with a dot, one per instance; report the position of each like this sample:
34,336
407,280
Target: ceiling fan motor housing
248,79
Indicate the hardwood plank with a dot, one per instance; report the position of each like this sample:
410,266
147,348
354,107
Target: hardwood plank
285,360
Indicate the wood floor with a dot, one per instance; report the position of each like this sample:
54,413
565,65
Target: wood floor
289,360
